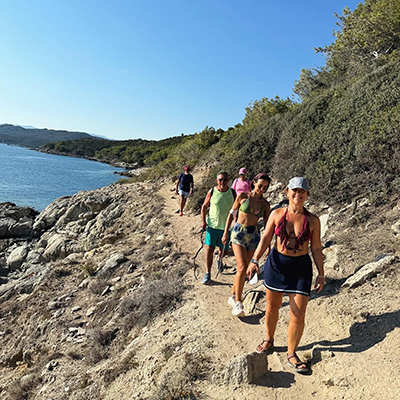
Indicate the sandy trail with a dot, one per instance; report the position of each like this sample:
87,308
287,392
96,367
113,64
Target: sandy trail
349,371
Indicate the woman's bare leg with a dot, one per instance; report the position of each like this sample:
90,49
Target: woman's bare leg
242,258
298,304
274,303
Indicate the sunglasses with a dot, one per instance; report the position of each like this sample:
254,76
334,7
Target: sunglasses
223,180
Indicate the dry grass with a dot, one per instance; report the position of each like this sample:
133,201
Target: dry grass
178,386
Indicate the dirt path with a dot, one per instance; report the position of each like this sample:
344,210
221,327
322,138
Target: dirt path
348,369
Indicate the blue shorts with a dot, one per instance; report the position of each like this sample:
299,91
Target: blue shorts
214,238
288,274
183,193
245,236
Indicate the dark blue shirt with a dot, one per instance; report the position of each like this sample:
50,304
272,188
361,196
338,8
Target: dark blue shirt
184,182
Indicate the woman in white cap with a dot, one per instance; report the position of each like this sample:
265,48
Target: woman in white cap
288,268
242,184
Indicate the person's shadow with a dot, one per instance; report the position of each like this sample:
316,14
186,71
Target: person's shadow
363,335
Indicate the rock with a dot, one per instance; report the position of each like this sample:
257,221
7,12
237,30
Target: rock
56,247
81,331
91,311
17,257
34,257
84,284
114,261
369,270
53,305
9,228
51,214
105,291
246,368
331,258
324,224
76,308
317,354
27,381
51,365
396,228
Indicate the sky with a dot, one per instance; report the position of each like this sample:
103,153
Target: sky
153,69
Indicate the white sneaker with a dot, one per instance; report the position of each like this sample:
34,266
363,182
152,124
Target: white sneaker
238,309
232,301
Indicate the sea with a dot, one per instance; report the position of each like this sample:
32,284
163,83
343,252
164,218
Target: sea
34,179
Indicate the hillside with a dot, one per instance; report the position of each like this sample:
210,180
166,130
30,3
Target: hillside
34,138
102,303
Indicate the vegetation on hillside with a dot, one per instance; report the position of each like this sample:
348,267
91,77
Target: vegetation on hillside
34,138
138,151
343,132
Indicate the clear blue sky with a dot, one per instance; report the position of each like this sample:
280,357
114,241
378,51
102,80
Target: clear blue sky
153,68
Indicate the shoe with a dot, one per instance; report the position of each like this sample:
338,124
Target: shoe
180,213
232,301
296,366
265,349
206,279
220,265
238,309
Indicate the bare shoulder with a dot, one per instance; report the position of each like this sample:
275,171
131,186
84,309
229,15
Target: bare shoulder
313,219
277,214
265,203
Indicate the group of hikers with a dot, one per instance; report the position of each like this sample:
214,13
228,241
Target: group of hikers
288,268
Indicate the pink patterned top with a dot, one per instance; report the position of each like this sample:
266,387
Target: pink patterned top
240,186
302,237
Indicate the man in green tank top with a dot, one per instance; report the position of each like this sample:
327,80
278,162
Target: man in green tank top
218,203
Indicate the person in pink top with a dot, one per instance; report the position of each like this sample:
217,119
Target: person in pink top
242,184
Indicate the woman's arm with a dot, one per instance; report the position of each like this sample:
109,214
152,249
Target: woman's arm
267,209
316,251
263,245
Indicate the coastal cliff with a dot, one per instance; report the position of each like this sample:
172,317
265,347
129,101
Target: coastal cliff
98,299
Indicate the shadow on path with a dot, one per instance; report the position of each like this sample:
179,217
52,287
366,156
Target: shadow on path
276,379
363,335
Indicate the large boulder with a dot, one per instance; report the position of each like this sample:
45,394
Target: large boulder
16,221
17,257
51,214
243,369
370,270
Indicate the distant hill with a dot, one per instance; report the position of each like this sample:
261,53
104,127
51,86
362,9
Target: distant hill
34,138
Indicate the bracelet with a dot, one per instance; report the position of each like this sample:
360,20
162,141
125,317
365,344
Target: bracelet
321,276
254,261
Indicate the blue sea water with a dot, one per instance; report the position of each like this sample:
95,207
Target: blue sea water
31,178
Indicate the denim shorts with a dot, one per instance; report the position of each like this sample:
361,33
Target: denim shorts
183,193
245,236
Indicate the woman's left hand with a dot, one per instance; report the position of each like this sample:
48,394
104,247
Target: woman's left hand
319,283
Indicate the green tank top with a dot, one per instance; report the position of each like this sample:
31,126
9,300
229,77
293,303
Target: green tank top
221,203
245,207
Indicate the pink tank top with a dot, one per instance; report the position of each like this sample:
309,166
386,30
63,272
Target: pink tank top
302,237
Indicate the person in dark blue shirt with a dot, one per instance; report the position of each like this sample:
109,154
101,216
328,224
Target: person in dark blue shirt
184,187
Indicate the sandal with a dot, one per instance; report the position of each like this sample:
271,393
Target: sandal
298,365
261,349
